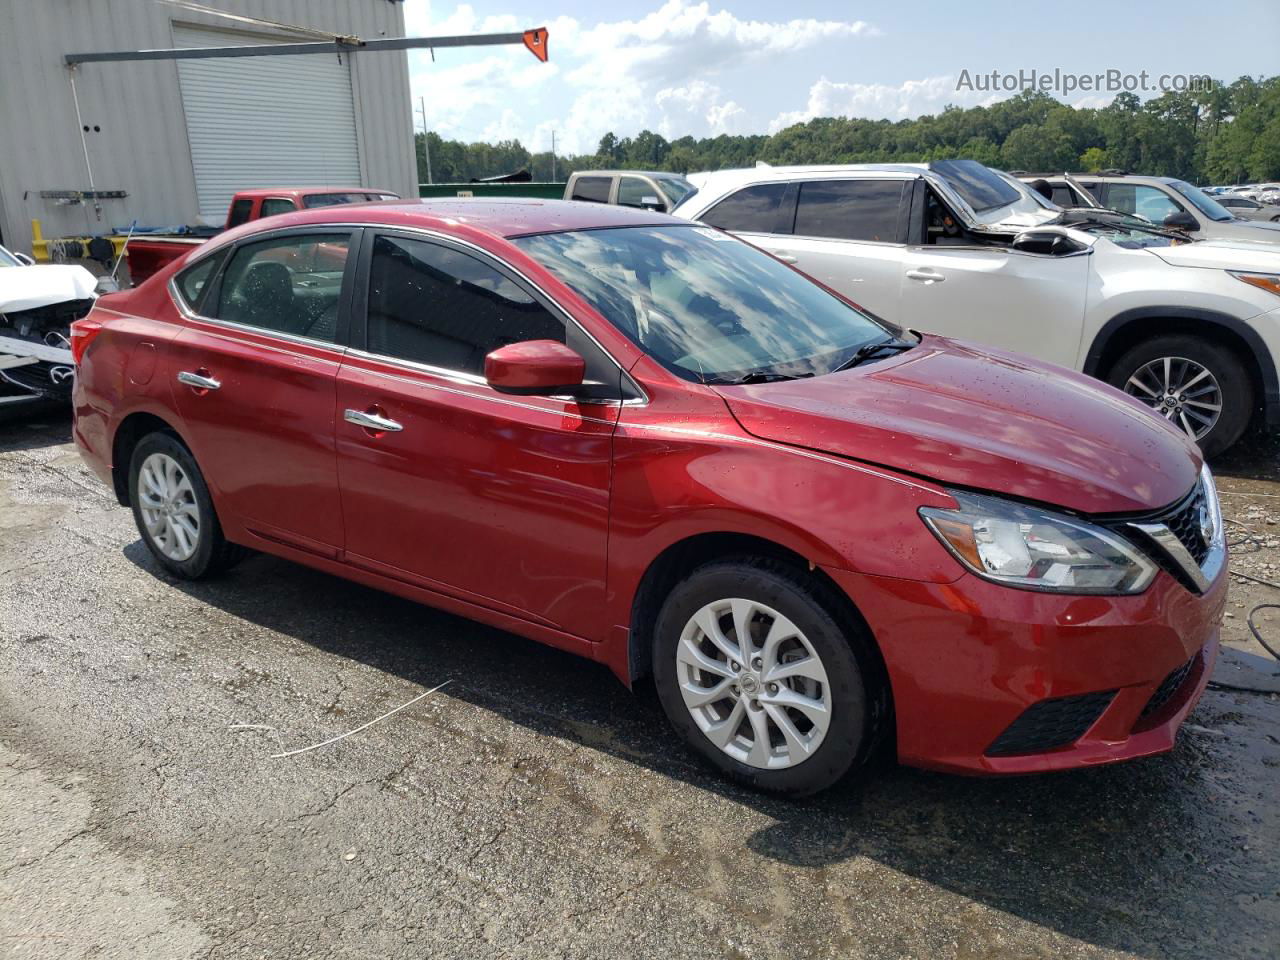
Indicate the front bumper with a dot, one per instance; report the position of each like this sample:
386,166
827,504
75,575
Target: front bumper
967,659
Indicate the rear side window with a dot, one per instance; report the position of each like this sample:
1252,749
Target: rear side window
288,285
592,189
752,209
850,210
435,305
194,281
240,211
274,205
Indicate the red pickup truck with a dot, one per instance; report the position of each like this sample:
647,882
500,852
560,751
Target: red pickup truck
148,254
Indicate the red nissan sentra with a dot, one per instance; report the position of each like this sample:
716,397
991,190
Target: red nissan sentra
652,444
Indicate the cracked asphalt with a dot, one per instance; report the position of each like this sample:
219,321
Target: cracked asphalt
533,807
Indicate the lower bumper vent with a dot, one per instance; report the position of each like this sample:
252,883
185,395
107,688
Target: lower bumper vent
1051,723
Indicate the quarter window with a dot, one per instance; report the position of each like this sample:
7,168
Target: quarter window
289,284
752,210
593,189
850,210
193,281
435,305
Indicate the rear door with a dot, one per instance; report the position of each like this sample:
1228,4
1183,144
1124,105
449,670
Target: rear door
254,380
499,500
850,235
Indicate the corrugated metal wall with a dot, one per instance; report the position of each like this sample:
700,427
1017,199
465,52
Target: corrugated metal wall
140,141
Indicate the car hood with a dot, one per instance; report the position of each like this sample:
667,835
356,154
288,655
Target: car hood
27,288
1262,230
1223,255
985,420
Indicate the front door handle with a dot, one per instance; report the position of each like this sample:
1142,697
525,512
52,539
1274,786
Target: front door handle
372,420
199,379
926,276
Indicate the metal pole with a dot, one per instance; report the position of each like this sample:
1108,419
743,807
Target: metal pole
426,141
84,144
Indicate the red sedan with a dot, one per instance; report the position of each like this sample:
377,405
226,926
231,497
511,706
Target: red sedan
650,443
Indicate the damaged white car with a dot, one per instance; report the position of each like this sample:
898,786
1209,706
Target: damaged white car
37,304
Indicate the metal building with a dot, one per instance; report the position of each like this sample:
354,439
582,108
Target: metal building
168,142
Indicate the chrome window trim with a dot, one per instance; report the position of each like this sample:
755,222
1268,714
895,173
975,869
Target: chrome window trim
428,233
189,314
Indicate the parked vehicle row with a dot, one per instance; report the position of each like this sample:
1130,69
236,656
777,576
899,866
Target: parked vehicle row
646,441
954,248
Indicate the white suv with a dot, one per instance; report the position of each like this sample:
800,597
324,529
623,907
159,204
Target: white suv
955,248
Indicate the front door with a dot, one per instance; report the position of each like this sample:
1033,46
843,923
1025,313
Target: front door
499,500
254,381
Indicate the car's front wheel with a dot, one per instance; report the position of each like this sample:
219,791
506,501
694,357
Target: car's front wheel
757,675
1201,387
174,512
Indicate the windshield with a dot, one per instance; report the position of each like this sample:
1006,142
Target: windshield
677,189
707,306
1210,207
7,259
978,186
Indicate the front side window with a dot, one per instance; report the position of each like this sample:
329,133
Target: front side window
435,305
637,192
754,209
240,211
275,205
850,210
592,189
1140,200
288,284
707,306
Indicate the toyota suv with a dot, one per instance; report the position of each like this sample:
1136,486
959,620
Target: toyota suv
1191,328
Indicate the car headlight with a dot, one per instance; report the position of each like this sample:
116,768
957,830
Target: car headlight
1033,549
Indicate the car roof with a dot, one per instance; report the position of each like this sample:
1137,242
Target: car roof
770,172
495,216
638,173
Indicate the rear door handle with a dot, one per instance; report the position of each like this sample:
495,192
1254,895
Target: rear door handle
372,421
926,276
201,381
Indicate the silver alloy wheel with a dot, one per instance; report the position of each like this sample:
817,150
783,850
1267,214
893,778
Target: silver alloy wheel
753,683
1183,391
168,505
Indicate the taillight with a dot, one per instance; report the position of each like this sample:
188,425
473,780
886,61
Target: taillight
82,333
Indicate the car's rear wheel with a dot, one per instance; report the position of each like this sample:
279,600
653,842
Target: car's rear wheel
174,512
1201,387
757,675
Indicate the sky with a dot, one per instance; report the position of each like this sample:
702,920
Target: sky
746,66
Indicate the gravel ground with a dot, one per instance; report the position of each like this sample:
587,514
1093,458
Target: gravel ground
532,807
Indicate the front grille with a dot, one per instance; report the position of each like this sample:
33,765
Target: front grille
1051,723
1168,689
1184,521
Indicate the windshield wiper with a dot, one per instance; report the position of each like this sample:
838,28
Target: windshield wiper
868,350
764,376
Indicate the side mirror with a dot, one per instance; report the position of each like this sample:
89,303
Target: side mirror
534,367
654,204
25,260
1181,221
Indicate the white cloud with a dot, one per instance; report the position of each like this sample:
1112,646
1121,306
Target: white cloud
909,99
622,75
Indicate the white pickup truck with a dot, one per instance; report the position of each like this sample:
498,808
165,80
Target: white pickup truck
1192,328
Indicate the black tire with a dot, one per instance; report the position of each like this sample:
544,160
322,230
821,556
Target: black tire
213,553
1224,365
858,704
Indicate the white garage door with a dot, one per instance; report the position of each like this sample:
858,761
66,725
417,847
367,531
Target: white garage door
265,121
